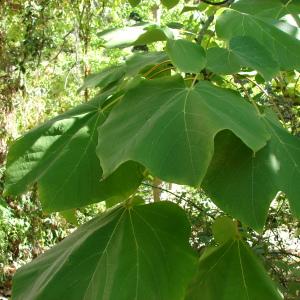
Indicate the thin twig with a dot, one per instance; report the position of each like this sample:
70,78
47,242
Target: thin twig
204,28
180,197
269,96
215,3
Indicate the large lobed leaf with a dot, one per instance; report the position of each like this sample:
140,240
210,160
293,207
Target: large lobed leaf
137,252
170,128
231,272
244,184
60,156
273,9
252,54
284,48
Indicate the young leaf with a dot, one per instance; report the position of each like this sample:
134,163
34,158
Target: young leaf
135,252
187,56
222,61
232,272
60,156
244,184
284,48
170,128
252,54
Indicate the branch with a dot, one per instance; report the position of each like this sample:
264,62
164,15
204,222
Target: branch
215,3
156,189
204,28
181,198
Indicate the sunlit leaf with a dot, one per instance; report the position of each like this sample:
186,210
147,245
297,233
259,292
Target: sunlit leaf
244,184
60,156
274,9
284,48
170,128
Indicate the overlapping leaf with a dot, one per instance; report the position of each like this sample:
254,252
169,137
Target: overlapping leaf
104,78
232,272
170,128
273,9
252,54
244,184
60,156
222,61
140,61
110,77
187,56
139,34
284,48
140,252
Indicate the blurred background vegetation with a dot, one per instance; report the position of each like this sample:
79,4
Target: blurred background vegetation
47,47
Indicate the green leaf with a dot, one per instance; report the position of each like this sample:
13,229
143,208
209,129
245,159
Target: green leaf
244,184
284,48
139,34
70,216
135,252
60,156
140,61
175,25
222,61
225,229
170,128
155,33
274,9
232,272
104,78
252,54
169,3
134,3
187,56
199,7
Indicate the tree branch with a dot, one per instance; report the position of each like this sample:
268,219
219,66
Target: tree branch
215,3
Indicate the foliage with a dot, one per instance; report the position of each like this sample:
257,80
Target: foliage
179,115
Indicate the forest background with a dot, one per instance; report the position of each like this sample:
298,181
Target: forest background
47,48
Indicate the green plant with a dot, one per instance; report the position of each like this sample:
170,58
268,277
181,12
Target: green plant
197,113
